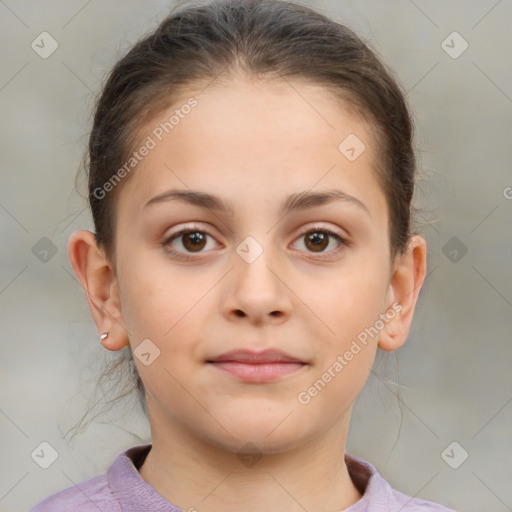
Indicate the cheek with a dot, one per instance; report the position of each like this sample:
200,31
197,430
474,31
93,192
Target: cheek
346,351
354,298
350,308
169,307
164,311
154,295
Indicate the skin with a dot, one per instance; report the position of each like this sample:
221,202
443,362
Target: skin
252,143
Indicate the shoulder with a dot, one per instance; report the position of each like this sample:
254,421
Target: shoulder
119,488
90,495
379,496
409,504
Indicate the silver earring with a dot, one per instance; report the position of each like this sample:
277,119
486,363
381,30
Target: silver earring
103,336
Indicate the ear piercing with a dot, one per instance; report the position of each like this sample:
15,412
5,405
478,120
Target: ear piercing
103,336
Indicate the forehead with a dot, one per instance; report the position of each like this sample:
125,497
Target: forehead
252,138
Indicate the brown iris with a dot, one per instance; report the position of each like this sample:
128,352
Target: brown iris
194,240
317,241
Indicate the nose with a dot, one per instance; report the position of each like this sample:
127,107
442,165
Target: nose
257,290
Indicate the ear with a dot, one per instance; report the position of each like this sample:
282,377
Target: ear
406,281
99,281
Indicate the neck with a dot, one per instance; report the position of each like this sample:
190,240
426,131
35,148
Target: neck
193,474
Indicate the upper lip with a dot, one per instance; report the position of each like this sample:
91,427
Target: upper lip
249,356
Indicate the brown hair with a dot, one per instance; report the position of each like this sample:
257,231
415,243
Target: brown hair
261,38
268,39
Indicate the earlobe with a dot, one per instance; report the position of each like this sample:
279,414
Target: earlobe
404,288
99,282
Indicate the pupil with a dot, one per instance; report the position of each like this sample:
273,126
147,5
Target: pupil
195,237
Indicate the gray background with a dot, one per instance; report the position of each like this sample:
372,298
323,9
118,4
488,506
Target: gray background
455,368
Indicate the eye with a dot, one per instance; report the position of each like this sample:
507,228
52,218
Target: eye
192,240
318,240
187,241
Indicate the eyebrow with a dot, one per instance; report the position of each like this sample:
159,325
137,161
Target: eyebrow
294,202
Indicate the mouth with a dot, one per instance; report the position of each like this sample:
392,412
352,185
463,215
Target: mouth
258,367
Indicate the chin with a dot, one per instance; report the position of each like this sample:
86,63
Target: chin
257,436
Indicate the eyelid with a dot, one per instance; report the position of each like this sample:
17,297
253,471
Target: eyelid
189,227
318,227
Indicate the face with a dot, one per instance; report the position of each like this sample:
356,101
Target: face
271,270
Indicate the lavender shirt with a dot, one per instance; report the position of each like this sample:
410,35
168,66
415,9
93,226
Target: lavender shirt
122,489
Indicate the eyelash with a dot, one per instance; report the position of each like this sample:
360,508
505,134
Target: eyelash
194,229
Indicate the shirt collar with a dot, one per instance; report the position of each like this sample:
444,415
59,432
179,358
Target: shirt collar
136,495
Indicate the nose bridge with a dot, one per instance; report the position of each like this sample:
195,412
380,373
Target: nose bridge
255,260
258,289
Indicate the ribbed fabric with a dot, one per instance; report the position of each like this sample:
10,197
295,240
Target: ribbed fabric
122,489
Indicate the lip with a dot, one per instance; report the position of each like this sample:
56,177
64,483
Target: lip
258,367
251,357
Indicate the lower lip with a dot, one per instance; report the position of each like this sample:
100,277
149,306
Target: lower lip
261,372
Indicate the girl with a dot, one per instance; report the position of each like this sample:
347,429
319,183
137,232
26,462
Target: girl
250,178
